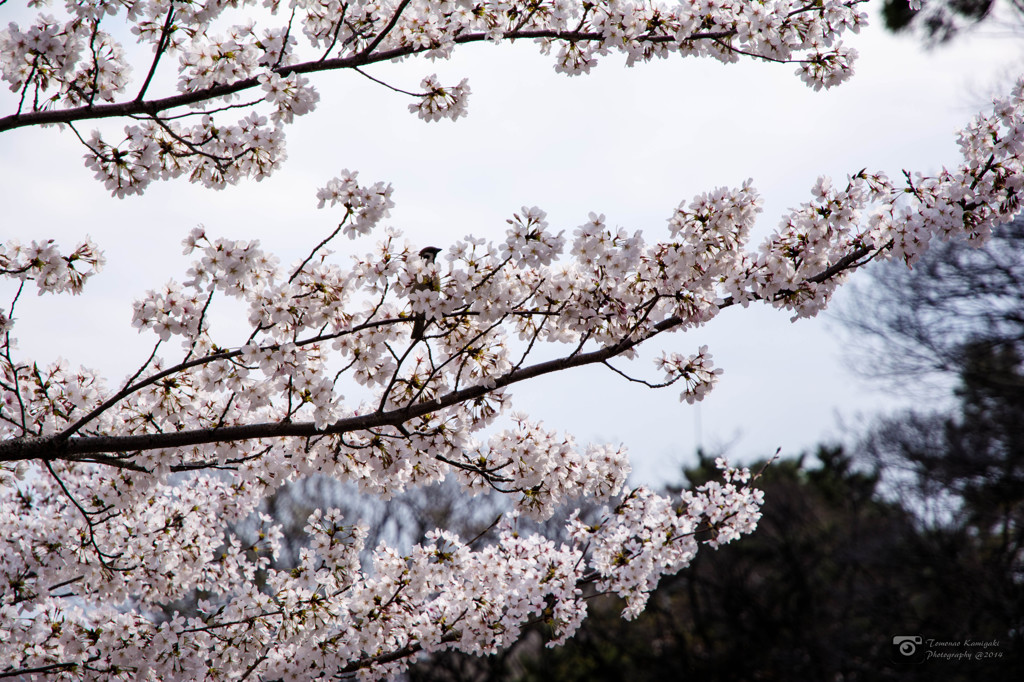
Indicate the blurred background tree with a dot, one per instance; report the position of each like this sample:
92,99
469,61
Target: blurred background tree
940,21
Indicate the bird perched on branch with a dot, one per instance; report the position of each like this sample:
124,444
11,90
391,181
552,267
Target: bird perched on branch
428,282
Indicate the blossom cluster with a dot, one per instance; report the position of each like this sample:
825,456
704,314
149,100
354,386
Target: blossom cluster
654,535
696,370
43,264
369,205
328,615
206,152
68,69
439,102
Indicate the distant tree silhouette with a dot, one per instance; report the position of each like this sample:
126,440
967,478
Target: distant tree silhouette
964,474
832,575
914,330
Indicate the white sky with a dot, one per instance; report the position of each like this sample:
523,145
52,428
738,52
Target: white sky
629,143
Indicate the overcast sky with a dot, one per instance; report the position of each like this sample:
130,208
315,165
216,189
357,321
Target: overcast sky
629,143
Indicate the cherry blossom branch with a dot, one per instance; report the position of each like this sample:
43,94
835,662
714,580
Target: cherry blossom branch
64,446
58,447
154,107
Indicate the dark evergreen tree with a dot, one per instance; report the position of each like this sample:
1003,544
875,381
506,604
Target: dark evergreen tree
832,575
963,475
959,469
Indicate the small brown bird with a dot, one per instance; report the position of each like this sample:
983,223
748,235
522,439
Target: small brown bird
429,283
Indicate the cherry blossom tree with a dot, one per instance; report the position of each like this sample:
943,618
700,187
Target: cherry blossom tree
116,499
